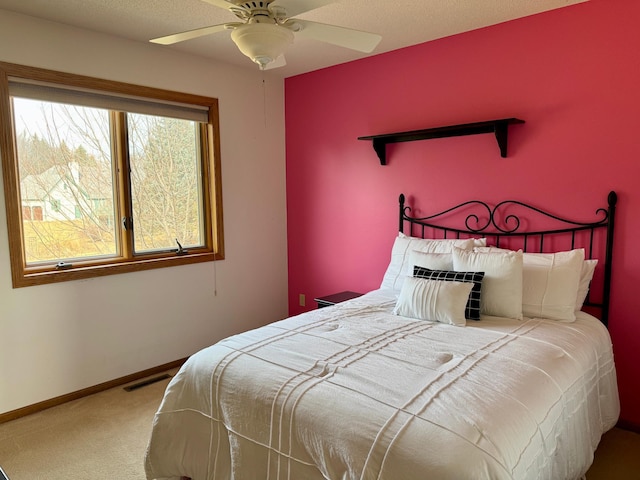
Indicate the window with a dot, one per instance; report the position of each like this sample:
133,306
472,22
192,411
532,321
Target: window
103,177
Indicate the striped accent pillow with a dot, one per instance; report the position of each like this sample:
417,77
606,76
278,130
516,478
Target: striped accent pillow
472,310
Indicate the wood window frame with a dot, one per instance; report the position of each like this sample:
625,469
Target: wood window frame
213,249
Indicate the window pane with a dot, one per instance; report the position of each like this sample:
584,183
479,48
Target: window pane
165,182
66,181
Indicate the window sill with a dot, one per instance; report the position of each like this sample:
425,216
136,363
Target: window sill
39,277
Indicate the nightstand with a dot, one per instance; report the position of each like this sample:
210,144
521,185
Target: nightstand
336,298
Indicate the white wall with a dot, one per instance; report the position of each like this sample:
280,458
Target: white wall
56,339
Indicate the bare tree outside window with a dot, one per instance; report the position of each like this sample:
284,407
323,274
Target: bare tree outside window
64,159
66,169
164,182
104,177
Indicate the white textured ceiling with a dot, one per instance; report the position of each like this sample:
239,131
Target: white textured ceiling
401,23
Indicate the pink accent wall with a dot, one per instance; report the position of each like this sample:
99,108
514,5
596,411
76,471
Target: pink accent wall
572,74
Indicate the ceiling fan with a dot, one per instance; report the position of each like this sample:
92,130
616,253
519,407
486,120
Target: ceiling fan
268,28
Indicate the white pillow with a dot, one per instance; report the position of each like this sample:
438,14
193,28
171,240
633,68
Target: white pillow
399,265
434,300
586,274
432,261
549,280
502,284
550,284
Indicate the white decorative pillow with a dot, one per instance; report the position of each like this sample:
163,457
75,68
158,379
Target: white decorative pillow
492,249
400,267
586,274
502,284
550,284
432,261
434,300
549,280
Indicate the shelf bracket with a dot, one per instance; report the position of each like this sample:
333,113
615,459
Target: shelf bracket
500,128
380,147
501,131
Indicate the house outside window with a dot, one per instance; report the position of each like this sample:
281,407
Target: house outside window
110,177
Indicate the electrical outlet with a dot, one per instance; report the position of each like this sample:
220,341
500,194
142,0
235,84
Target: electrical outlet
302,299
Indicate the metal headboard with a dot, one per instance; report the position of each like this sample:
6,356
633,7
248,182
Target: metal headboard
500,225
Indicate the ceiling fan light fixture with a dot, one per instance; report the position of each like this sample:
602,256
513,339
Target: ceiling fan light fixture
262,42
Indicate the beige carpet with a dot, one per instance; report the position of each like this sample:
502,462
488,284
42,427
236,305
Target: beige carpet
104,437
100,437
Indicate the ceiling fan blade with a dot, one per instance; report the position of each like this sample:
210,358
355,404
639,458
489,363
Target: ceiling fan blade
296,7
341,36
278,62
189,34
223,4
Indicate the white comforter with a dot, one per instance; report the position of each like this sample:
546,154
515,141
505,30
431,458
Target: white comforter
355,392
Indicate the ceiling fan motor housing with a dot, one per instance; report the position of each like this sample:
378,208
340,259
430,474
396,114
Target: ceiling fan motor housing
262,42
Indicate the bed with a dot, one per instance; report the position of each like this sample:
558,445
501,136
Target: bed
474,359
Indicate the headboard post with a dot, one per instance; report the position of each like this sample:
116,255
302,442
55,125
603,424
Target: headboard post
612,199
401,200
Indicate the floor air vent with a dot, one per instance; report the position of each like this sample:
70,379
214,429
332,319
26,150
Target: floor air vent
144,383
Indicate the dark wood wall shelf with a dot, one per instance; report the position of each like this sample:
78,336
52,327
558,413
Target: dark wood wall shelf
498,127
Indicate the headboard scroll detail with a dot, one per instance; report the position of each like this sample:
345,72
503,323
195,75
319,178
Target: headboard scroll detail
499,223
